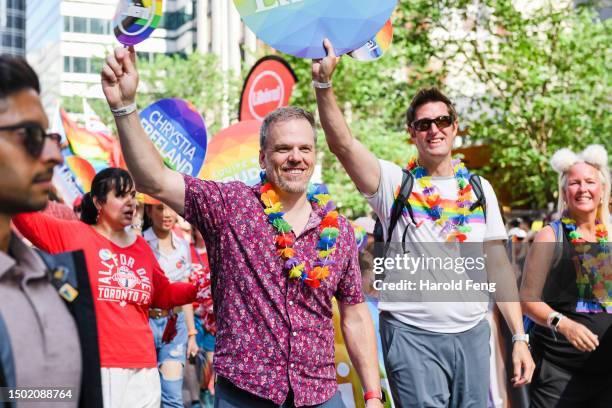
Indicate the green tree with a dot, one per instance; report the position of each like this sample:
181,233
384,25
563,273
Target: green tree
196,78
528,82
546,77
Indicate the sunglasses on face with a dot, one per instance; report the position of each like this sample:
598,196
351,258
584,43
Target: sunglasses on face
34,137
423,125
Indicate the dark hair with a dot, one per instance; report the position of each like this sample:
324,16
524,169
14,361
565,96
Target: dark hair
427,95
283,115
16,75
147,222
112,178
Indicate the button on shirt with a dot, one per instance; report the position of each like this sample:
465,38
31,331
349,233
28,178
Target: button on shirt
177,264
273,333
42,334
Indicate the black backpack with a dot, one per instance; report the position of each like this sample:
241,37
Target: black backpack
401,201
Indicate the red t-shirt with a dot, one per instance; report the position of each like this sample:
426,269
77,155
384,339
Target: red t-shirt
125,282
200,272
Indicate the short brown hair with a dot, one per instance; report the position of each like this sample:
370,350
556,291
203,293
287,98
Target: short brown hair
427,95
282,115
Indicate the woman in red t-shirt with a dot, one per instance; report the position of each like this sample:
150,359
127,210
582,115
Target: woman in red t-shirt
126,280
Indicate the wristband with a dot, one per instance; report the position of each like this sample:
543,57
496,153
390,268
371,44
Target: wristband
520,337
322,85
377,394
124,111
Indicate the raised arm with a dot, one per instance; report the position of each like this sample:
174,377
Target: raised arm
45,232
152,177
360,164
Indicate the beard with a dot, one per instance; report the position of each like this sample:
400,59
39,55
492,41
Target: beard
289,186
12,205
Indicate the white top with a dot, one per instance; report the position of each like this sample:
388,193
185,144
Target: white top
442,317
177,264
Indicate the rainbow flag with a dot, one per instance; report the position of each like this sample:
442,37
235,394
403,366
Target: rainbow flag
97,148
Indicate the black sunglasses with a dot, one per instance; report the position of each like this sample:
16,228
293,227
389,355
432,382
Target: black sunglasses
423,125
34,136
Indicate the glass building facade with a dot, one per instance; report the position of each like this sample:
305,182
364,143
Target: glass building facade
12,27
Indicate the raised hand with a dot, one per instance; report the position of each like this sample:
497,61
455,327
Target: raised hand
120,77
323,69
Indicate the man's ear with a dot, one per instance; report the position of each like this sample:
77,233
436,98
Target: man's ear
410,131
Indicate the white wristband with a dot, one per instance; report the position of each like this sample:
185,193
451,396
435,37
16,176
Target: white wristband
520,337
125,110
322,85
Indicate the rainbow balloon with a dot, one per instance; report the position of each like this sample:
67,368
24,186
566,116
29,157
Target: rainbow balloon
233,154
377,46
135,20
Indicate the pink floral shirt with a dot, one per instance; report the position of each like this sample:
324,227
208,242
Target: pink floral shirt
273,333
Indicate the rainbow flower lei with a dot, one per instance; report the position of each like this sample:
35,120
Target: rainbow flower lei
597,276
456,227
328,233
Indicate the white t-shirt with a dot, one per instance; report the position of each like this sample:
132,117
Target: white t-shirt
442,317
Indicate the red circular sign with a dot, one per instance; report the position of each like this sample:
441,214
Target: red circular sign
267,94
268,87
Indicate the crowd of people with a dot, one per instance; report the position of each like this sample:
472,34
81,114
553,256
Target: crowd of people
242,278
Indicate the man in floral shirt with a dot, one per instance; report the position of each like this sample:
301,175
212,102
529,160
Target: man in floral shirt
278,254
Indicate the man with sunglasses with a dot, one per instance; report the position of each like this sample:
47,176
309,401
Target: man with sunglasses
436,353
38,335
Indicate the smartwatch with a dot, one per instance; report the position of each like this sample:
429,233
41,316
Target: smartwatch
555,320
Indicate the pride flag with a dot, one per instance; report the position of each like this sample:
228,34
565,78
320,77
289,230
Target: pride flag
101,150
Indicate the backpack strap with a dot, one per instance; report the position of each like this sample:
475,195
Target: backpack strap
398,206
558,228
401,202
481,200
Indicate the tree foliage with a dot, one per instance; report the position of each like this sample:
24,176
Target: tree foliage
526,82
197,78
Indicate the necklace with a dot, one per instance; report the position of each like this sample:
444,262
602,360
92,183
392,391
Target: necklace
594,280
454,226
328,233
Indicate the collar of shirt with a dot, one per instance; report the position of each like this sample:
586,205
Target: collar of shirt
153,240
22,256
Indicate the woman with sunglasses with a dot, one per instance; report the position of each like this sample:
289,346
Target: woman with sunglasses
567,288
126,281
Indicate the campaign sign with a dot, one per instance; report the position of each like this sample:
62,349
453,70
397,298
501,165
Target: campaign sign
268,87
377,46
178,132
298,27
233,154
135,20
